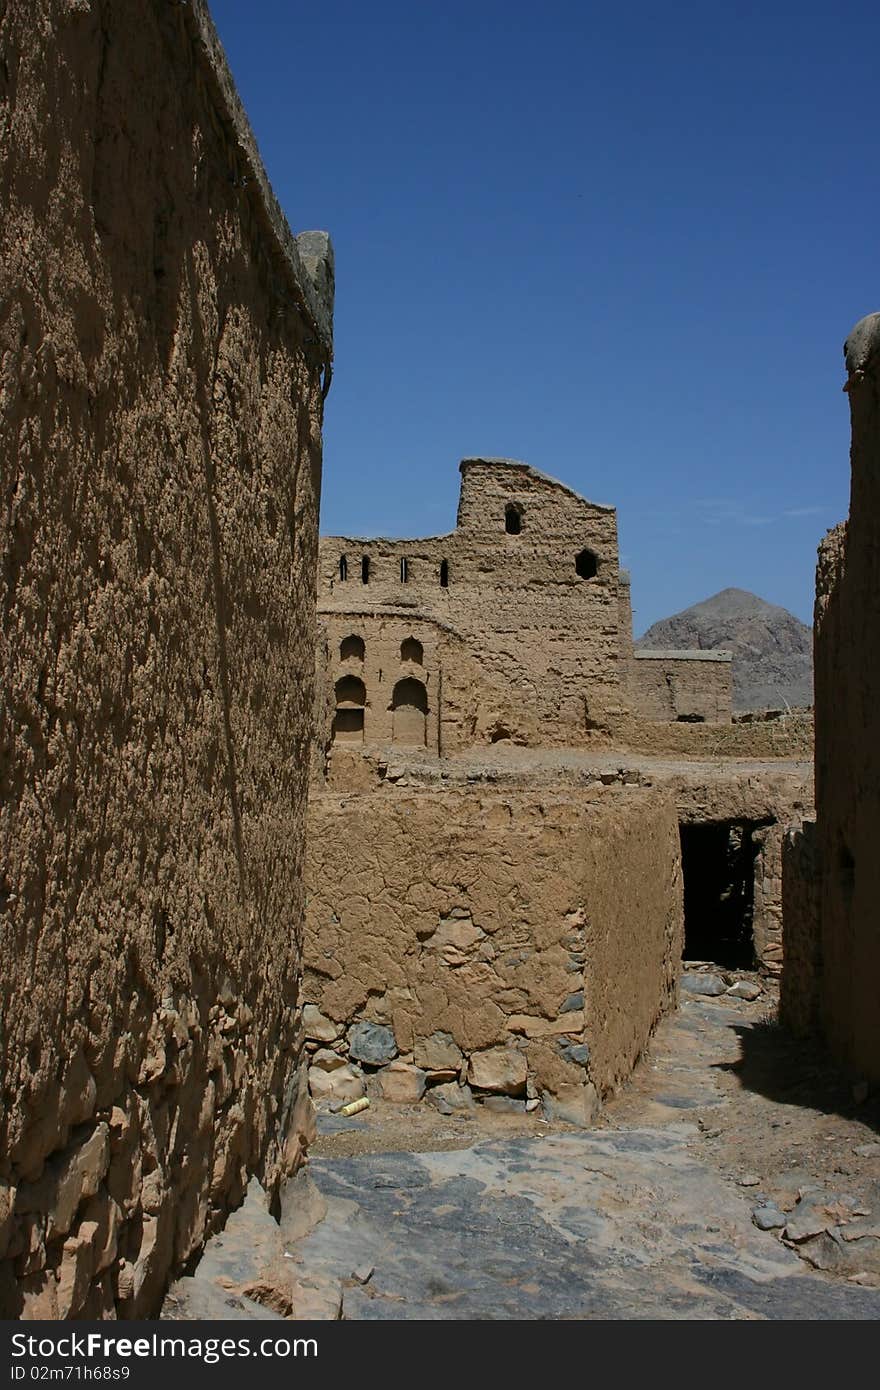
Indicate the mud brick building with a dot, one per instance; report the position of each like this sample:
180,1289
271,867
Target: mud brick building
516,625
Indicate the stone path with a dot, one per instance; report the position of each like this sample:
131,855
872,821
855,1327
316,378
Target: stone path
635,1220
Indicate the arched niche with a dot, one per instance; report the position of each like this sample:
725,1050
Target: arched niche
409,704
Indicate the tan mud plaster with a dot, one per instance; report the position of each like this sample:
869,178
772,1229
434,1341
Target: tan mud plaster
163,347
528,942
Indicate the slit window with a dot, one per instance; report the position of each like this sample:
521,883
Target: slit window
365,570
343,567
404,569
444,574
512,519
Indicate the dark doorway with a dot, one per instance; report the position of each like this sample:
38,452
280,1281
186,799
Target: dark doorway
718,865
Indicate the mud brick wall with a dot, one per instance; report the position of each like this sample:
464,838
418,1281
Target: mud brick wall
762,802
801,977
789,736
767,914
693,687
162,343
847,662
373,657
522,945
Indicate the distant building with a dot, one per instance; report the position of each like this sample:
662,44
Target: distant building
516,625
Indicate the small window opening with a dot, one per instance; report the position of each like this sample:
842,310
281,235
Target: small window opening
586,564
365,570
350,692
512,519
444,574
352,646
343,567
404,569
412,650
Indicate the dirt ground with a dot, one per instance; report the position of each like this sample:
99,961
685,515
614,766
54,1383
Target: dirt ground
735,1176
773,1115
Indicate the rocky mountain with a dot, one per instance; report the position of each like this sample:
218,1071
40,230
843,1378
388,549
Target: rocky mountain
772,649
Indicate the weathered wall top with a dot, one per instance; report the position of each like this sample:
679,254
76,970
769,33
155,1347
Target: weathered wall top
861,345
491,461
305,260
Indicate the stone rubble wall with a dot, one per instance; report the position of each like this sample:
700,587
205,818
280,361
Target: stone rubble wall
513,948
162,345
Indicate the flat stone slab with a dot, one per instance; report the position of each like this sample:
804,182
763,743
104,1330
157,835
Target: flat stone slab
695,983
671,1210
608,1224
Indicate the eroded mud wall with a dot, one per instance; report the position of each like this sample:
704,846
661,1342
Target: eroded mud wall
161,350
526,942
802,970
847,659
692,688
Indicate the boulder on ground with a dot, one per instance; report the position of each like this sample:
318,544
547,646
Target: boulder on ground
576,1105
745,989
450,1096
703,984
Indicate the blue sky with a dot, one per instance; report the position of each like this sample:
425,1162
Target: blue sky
623,243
